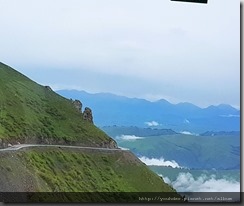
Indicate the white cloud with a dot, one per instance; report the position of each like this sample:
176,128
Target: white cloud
159,162
124,148
185,182
186,132
189,133
166,179
152,124
129,137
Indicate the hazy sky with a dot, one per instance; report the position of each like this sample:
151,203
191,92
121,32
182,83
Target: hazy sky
183,52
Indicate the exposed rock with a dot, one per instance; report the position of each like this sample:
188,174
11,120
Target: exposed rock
87,115
78,105
112,144
48,88
109,144
46,141
10,145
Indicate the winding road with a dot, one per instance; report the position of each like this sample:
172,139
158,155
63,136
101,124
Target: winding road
21,146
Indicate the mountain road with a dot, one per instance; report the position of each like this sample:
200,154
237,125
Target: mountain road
21,146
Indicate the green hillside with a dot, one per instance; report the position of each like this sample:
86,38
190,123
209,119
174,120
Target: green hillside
34,114
31,113
74,175
75,170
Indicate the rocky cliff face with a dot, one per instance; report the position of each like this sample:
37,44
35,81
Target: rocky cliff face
87,115
48,88
78,105
109,144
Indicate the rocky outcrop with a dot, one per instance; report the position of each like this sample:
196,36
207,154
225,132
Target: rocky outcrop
7,143
48,88
87,115
109,144
78,105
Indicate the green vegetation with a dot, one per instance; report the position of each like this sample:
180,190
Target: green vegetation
33,113
69,170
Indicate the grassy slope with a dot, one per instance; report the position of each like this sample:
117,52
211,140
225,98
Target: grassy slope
30,112
69,170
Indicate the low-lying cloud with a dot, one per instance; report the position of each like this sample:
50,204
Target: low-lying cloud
152,124
129,137
185,182
124,148
159,162
189,133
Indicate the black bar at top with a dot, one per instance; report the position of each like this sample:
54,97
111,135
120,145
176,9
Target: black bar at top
193,1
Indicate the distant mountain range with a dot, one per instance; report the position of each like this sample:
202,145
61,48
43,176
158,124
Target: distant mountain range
110,109
115,131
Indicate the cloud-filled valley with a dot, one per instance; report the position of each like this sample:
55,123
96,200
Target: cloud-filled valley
186,182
